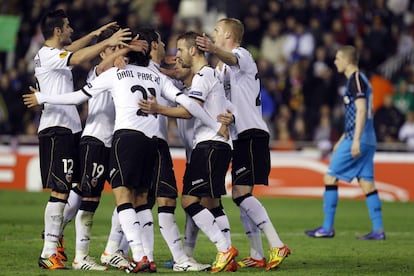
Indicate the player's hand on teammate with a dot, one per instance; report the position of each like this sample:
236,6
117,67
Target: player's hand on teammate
226,118
30,100
120,62
149,106
120,37
138,45
205,44
98,31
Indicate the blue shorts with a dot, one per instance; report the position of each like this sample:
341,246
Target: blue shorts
345,167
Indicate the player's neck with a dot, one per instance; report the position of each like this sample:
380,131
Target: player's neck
230,45
350,70
199,63
187,82
53,43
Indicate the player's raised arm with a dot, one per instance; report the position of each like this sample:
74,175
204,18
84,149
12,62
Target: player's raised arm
204,43
85,40
119,38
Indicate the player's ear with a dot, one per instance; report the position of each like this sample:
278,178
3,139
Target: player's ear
57,31
154,45
193,50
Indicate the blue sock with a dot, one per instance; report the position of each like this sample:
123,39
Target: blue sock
330,200
374,208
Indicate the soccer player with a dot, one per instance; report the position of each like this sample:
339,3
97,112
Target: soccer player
59,128
95,146
210,151
353,155
185,129
251,154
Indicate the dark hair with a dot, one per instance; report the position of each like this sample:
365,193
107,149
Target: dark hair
189,38
138,58
50,21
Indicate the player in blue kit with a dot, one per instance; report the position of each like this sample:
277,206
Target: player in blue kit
353,155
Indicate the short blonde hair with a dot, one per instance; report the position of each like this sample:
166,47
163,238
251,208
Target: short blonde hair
236,28
350,53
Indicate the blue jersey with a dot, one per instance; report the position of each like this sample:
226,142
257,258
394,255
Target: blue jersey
358,86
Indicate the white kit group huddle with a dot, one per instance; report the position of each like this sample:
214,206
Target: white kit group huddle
125,142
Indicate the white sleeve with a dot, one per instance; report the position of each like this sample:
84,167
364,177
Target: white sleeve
197,111
169,91
199,87
402,134
58,58
74,98
231,108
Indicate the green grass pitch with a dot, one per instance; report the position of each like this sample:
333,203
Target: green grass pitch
21,222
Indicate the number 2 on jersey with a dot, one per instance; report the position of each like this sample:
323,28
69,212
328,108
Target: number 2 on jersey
144,92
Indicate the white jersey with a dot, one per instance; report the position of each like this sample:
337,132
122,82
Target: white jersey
101,115
163,120
128,86
242,87
207,87
54,77
185,127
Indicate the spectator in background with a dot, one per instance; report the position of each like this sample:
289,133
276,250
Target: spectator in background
10,87
323,132
268,105
318,86
406,133
402,99
339,32
272,42
299,43
378,41
387,120
4,111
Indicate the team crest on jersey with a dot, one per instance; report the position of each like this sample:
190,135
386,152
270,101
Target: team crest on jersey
347,100
63,54
68,177
94,182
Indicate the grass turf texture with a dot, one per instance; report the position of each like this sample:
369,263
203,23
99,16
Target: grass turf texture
21,223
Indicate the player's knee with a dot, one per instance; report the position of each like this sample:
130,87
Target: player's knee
239,200
329,180
240,190
188,200
166,201
367,186
193,209
210,203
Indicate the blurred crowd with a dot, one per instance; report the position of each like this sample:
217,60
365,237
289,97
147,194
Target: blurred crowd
293,42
